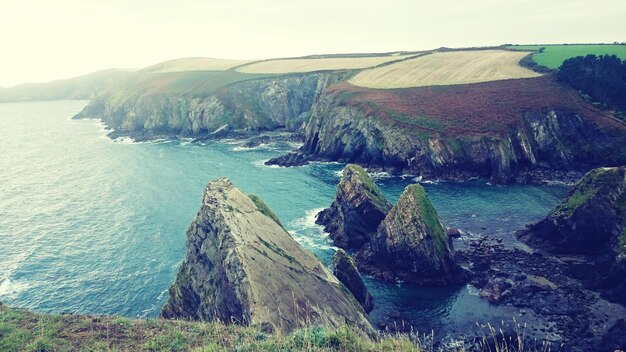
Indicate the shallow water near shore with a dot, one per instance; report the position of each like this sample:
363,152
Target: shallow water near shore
94,225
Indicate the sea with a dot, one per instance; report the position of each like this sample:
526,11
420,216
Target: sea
94,225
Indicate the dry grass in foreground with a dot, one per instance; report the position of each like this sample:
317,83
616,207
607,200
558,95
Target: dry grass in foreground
21,330
446,68
317,64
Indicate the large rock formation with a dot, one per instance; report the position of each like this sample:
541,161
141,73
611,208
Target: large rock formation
357,210
346,271
253,104
411,244
242,266
508,131
589,230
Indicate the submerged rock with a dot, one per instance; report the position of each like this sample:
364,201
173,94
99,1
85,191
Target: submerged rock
357,210
589,230
291,159
243,267
411,244
346,271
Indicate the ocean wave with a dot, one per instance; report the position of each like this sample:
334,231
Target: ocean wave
241,148
124,140
379,175
309,234
261,163
472,290
9,288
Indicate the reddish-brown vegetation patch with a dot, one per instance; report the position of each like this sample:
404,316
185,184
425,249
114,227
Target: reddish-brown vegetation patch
489,108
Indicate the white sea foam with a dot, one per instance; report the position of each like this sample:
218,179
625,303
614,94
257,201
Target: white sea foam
308,233
379,175
241,148
9,288
124,140
261,163
472,290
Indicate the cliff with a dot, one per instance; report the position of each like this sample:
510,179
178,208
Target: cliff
517,130
215,104
589,230
346,271
359,206
242,266
411,244
509,131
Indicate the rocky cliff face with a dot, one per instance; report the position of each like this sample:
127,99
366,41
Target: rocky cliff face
411,244
253,105
359,206
554,139
346,271
589,230
242,266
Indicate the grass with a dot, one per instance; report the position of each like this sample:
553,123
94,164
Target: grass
552,56
372,190
279,66
446,68
580,197
430,217
263,208
22,330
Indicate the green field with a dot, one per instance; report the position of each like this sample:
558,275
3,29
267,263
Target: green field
554,55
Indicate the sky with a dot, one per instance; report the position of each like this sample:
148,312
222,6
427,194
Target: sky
42,40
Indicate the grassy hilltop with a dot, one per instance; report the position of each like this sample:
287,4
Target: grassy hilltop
552,56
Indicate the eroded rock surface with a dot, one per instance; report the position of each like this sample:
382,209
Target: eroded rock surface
357,210
411,244
242,266
346,271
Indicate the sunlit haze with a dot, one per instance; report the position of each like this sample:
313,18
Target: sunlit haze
46,40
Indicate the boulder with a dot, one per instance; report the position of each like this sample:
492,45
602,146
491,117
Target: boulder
346,271
411,244
357,210
243,267
590,224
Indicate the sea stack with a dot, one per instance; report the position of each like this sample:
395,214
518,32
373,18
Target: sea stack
346,271
357,210
243,267
589,230
411,244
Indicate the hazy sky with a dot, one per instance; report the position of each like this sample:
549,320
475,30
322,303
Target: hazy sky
43,40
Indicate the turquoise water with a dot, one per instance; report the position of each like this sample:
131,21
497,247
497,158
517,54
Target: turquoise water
92,225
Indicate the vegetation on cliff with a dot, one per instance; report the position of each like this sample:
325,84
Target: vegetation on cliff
411,244
603,78
357,209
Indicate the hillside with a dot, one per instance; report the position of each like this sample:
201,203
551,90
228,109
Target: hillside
446,68
321,63
459,113
552,56
194,64
82,87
